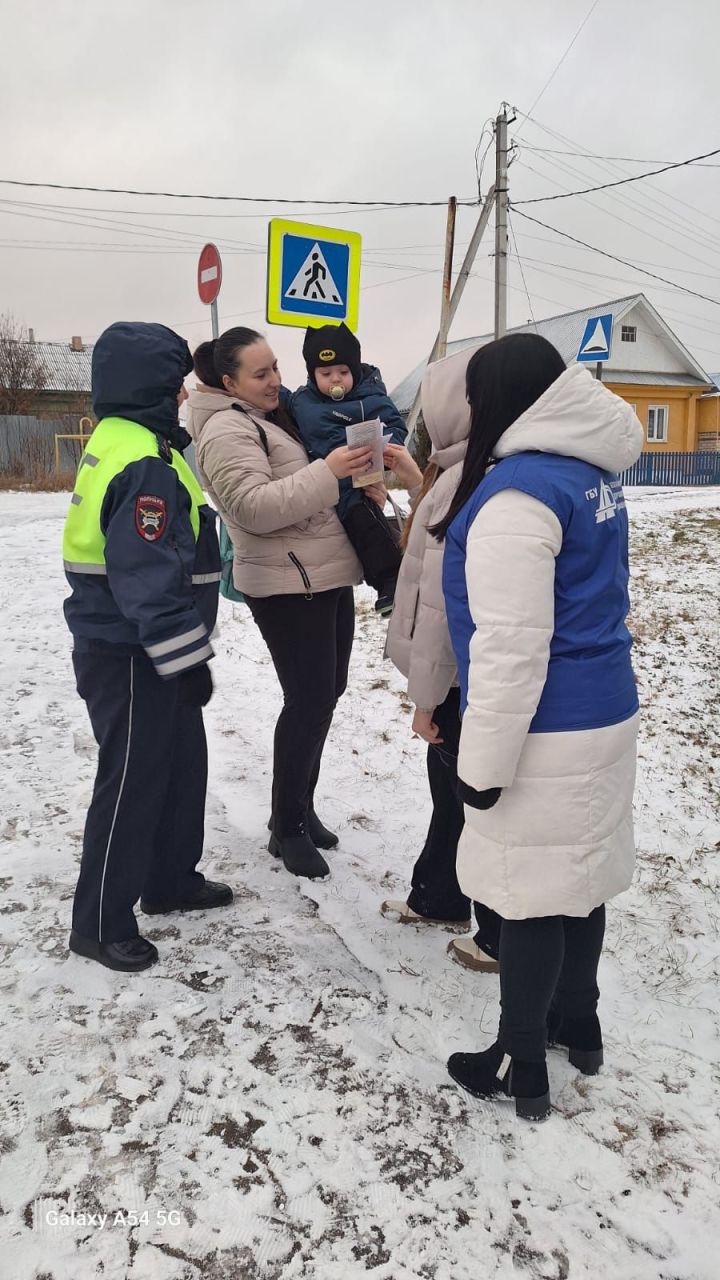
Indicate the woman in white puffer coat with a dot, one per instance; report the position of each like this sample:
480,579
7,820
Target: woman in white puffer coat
535,578
419,645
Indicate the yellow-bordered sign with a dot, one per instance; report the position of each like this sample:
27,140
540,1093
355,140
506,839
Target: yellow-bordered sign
313,274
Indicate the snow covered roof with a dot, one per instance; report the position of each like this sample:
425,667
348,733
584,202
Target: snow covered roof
66,368
657,346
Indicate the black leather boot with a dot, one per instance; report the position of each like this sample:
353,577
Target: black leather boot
210,894
299,855
484,1076
127,957
582,1037
320,835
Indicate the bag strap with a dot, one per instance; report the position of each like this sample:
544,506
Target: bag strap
260,430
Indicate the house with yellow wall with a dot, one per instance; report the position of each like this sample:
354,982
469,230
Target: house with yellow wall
673,396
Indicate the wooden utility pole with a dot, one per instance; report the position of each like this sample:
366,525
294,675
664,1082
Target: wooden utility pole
456,295
447,278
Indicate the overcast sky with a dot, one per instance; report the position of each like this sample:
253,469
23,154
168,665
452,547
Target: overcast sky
372,100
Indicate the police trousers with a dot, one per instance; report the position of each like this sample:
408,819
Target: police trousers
145,827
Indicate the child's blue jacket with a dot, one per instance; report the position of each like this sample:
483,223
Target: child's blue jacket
322,422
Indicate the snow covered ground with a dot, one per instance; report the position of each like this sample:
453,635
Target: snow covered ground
271,1099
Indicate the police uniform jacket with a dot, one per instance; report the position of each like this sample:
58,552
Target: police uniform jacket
140,545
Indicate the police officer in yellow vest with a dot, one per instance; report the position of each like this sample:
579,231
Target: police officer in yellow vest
142,559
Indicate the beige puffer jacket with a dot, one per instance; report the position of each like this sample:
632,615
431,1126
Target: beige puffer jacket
279,508
418,640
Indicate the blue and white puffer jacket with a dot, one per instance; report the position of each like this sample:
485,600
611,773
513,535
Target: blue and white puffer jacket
535,578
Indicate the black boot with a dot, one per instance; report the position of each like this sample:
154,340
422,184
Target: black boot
526,1082
127,957
386,597
320,835
299,855
582,1037
210,894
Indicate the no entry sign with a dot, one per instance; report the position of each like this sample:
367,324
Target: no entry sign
209,274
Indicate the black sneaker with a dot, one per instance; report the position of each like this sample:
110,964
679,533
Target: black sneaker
211,894
299,855
127,957
482,1075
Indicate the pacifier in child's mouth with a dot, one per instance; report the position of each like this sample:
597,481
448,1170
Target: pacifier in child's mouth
337,392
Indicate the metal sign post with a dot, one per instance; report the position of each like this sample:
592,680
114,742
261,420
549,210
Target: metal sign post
209,280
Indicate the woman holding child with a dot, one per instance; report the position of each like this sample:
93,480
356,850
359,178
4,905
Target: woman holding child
293,563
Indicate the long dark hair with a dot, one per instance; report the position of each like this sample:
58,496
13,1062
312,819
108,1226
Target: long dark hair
503,379
211,360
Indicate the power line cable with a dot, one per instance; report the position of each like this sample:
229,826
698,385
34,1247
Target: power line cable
614,258
550,78
185,195
621,182
595,155
704,241
660,198
522,270
538,265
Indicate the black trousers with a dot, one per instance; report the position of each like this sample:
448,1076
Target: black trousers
145,826
375,541
310,641
435,889
550,960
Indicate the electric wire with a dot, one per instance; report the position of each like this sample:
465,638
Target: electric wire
614,258
621,182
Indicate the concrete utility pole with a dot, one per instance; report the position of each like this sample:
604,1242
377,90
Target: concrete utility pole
501,221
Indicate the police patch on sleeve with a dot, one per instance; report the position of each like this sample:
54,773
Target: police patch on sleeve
150,517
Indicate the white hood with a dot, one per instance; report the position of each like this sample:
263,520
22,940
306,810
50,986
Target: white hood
446,412
577,417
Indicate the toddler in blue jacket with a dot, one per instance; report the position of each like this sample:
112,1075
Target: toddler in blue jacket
340,391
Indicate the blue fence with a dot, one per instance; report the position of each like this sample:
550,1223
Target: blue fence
669,469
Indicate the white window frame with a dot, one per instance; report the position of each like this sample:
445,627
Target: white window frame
652,424
630,330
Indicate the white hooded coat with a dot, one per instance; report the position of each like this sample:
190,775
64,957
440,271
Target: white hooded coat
418,640
560,839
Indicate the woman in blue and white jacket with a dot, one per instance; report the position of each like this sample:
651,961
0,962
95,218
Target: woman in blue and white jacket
535,578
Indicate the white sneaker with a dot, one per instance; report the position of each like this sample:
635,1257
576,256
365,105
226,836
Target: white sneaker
406,915
465,951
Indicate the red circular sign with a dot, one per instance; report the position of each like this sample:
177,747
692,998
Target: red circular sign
209,274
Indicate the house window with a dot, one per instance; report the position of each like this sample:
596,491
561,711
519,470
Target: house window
628,333
657,422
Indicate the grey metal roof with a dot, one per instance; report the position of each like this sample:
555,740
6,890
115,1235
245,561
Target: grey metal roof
565,332
65,369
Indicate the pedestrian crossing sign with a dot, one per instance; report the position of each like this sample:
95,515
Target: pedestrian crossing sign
596,340
313,273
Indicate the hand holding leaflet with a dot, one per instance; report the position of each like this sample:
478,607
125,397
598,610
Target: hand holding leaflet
370,436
